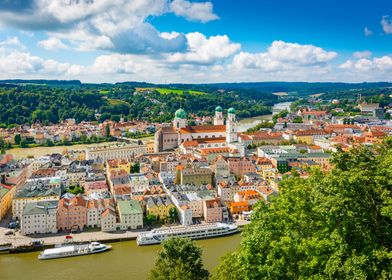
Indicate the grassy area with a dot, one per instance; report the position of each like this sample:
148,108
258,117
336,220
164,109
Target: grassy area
104,91
117,101
171,90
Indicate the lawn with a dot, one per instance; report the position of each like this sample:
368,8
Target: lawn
171,90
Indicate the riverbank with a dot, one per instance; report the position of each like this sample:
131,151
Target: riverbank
19,241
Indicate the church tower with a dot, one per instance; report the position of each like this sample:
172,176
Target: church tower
218,119
231,127
180,120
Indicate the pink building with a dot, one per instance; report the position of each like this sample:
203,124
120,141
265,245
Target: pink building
72,213
95,187
240,165
213,211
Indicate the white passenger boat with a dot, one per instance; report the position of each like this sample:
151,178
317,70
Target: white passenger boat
73,250
156,236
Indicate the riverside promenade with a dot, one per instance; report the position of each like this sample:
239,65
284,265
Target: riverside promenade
19,240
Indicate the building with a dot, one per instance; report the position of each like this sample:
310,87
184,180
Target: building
108,220
240,165
159,206
33,192
171,137
72,213
131,214
193,175
213,211
6,195
39,218
116,151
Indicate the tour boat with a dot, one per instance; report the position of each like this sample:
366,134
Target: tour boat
73,250
156,236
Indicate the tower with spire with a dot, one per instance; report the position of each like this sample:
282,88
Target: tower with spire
231,127
218,119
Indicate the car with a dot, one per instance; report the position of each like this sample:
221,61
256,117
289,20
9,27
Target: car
9,232
12,225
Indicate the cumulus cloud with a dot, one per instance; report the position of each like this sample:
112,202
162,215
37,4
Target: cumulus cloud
362,54
203,50
386,24
15,61
194,11
52,43
382,64
12,42
114,25
367,31
282,55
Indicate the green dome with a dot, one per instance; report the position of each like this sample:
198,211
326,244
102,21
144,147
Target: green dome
218,109
231,110
180,114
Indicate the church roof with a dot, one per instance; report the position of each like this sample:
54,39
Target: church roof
180,114
231,110
218,109
203,129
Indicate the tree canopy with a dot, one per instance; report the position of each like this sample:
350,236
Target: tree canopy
329,226
179,259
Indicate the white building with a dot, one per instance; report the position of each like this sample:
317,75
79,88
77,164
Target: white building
39,218
131,214
115,151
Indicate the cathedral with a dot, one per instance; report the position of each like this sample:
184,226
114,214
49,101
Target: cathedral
171,137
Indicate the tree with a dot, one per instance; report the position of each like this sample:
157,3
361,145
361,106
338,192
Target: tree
179,259
151,219
107,131
17,139
23,143
135,168
329,226
173,215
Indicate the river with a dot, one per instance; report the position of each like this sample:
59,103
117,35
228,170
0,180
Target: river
21,153
125,261
245,124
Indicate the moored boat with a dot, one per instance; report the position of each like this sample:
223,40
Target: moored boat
193,232
73,250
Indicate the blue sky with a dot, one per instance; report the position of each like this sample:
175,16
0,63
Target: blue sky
196,41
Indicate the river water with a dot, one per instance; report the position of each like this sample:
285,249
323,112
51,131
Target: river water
125,261
245,124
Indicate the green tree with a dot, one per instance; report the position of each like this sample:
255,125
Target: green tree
179,259
151,219
107,131
17,139
23,143
329,226
135,168
173,215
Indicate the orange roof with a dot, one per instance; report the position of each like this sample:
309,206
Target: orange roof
238,204
203,129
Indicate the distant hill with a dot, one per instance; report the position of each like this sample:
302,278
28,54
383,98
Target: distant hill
43,82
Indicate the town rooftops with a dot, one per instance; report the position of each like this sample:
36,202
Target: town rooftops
203,129
37,189
40,207
129,207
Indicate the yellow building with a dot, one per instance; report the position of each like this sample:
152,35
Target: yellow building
159,206
118,165
6,195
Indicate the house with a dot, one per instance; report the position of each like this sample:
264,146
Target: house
39,218
239,207
213,211
159,206
131,214
6,194
108,220
72,213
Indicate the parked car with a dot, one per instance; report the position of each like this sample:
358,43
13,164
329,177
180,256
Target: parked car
13,225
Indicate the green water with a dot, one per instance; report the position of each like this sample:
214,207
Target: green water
125,261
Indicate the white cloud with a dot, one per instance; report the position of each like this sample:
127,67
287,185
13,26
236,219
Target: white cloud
386,24
12,42
194,11
362,54
381,64
282,56
367,31
114,25
52,43
203,50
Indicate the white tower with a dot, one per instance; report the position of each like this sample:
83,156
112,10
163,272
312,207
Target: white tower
218,119
231,127
180,120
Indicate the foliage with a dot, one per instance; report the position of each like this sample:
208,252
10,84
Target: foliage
17,139
262,124
151,219
179,259
135,168
76,190
173,215
329,226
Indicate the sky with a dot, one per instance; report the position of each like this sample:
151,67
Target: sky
184,41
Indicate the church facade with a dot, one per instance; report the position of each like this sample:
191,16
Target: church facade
171,137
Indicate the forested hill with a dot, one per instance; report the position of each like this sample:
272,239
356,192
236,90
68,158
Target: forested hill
50,101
